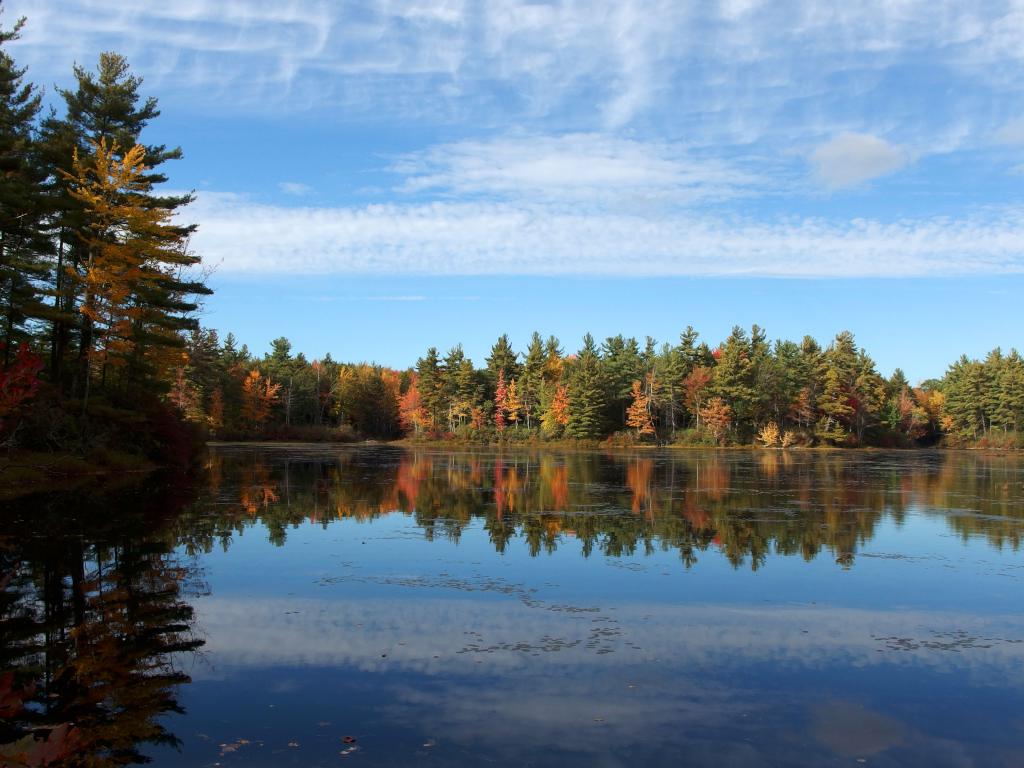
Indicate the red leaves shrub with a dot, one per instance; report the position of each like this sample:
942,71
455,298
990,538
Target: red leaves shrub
19,381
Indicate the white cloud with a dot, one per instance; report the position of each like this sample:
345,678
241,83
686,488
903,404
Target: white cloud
1012,133
510,237
852,158
294,188
724,72
572,167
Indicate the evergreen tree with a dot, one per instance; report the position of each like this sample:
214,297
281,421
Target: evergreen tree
834,402
586,388
24,242
670,370
734,374
502,359
132,254
532,379
431,388
622,365
105,109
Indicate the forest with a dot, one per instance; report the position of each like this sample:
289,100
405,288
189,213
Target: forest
742,391
101,351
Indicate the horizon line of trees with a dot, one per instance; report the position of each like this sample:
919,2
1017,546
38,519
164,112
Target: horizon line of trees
744,390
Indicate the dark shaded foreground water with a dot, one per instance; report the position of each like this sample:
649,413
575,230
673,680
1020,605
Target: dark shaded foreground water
312,607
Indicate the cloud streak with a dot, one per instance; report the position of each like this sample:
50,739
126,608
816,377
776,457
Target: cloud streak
510,237
571,168
730,71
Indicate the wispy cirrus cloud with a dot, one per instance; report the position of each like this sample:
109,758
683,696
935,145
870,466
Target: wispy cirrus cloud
295,188
570,168
732,71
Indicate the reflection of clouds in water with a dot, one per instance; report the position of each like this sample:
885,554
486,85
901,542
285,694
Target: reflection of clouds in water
655,723
427,635
852,730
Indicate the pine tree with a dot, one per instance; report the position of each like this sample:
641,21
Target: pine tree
24,243
502,360
734,376
431,388
532,381
586,389
621,364
670,368
106,109
837,413
132,252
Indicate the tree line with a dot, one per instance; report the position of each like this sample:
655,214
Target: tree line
98,286
744,390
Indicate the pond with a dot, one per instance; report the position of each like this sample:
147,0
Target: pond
312,606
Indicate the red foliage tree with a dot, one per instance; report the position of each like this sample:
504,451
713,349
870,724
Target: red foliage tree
19,381
500,397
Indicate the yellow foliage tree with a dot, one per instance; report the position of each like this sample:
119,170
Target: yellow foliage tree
512,404
258,397
130,283
769,434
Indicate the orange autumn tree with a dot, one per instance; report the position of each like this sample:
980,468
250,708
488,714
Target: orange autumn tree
215,418
500,396
133,294
258,396
717,417
556,415
695,387
412,416
638,414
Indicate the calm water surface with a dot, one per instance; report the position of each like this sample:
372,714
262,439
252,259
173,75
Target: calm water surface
372,605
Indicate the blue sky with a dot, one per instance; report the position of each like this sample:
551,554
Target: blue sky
380,176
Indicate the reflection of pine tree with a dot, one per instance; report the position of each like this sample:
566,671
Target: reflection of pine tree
93,621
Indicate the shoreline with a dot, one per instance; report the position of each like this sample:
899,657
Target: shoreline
405,442
24,473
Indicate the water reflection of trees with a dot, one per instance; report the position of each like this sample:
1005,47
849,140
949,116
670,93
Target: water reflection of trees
91,615
746,504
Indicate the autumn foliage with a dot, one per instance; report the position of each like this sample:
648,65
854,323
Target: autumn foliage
19,381
260,395
638,415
